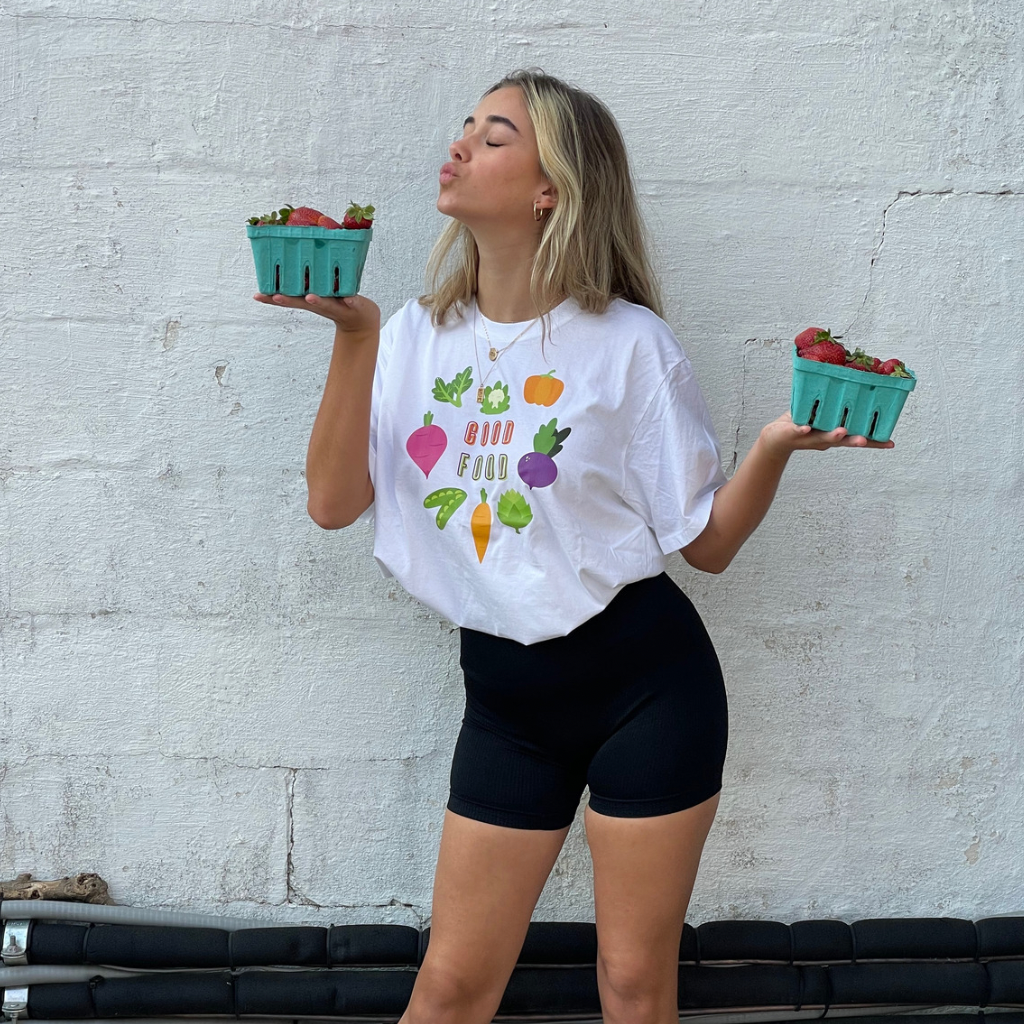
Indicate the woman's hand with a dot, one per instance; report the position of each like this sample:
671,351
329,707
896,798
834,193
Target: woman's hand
354,314
783,436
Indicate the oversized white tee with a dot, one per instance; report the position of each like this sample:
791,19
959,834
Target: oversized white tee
517,497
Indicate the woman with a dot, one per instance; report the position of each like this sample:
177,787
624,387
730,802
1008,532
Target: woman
532,443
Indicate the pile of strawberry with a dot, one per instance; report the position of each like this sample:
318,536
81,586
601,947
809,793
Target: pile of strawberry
357,218
819,345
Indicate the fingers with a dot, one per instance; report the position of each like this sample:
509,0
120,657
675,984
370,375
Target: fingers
804,436
328,307
840,439
298,301
295,302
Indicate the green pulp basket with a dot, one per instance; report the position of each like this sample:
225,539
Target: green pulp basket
829,396
296,261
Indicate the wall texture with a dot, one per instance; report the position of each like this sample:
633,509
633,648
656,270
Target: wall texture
218,706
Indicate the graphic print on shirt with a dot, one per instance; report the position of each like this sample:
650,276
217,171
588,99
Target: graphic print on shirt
543,388
426,444
454,390
480,525
446,500
537,468
496,399
514,511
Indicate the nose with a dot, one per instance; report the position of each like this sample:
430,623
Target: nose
455,150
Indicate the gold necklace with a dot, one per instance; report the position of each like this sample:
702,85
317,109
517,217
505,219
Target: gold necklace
494,354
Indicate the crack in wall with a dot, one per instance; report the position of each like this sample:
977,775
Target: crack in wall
292,895
318,25
219,762
224,762
912,194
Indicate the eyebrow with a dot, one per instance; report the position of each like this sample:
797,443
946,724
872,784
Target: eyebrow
494,119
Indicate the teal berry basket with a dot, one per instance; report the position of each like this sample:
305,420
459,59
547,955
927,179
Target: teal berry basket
296,261
829,396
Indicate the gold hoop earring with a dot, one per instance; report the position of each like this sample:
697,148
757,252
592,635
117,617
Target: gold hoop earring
537,214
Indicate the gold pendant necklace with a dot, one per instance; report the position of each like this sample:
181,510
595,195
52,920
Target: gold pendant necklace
492,353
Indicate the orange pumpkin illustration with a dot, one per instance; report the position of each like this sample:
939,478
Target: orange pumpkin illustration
543,389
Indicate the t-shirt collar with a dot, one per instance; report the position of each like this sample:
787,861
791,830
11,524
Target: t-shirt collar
561,314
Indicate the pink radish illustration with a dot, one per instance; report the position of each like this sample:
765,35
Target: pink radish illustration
426,444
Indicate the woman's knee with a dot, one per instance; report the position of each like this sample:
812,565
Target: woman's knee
443,995
635,990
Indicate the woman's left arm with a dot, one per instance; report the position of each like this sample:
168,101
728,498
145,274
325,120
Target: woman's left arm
743,501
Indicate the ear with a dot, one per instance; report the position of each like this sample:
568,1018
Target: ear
548,199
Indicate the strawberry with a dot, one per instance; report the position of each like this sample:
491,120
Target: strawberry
892,368
826,349
303,217
860,360
278,217
327,222
807,338
357,218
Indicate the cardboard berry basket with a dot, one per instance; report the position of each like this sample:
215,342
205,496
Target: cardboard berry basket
829,396
296,261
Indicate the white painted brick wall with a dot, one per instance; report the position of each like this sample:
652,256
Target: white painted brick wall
218,706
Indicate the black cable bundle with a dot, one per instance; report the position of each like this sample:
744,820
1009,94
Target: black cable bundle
547,942
369,970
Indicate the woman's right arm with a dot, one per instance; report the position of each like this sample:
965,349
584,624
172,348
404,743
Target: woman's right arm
337,460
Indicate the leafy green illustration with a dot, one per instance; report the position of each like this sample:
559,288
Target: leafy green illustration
453,391
496,398
514,511
548,440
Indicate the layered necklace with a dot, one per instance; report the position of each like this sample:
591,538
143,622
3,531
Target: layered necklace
494,354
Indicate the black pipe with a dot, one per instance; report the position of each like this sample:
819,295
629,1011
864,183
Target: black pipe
547,942
743,967
532,991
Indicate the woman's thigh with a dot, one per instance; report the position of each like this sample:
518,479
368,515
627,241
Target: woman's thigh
644,872
486,886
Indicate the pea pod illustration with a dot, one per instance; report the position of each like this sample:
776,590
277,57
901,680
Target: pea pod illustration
446,500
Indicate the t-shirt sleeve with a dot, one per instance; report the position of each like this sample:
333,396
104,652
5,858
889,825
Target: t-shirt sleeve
387,338
673,463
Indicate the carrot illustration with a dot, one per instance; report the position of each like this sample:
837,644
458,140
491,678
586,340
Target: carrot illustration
480,524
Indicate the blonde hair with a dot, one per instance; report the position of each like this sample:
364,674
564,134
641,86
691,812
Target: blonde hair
594,242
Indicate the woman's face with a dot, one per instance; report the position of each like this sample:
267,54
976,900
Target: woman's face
494,174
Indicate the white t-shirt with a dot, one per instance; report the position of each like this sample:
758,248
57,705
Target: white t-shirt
522,512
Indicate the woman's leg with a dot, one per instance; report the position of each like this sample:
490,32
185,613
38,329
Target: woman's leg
486,886
654,784
644,870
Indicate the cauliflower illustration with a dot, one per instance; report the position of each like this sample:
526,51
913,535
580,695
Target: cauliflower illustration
496,398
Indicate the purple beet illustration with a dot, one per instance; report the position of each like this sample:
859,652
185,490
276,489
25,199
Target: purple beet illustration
426,444
537,468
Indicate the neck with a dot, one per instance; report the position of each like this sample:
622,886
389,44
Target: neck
503,276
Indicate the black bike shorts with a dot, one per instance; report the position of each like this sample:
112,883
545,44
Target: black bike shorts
631,703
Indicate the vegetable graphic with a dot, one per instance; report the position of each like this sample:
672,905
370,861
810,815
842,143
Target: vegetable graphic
480,524
513,510
543,389
453,391
446,500
537,468
496,398
426,444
